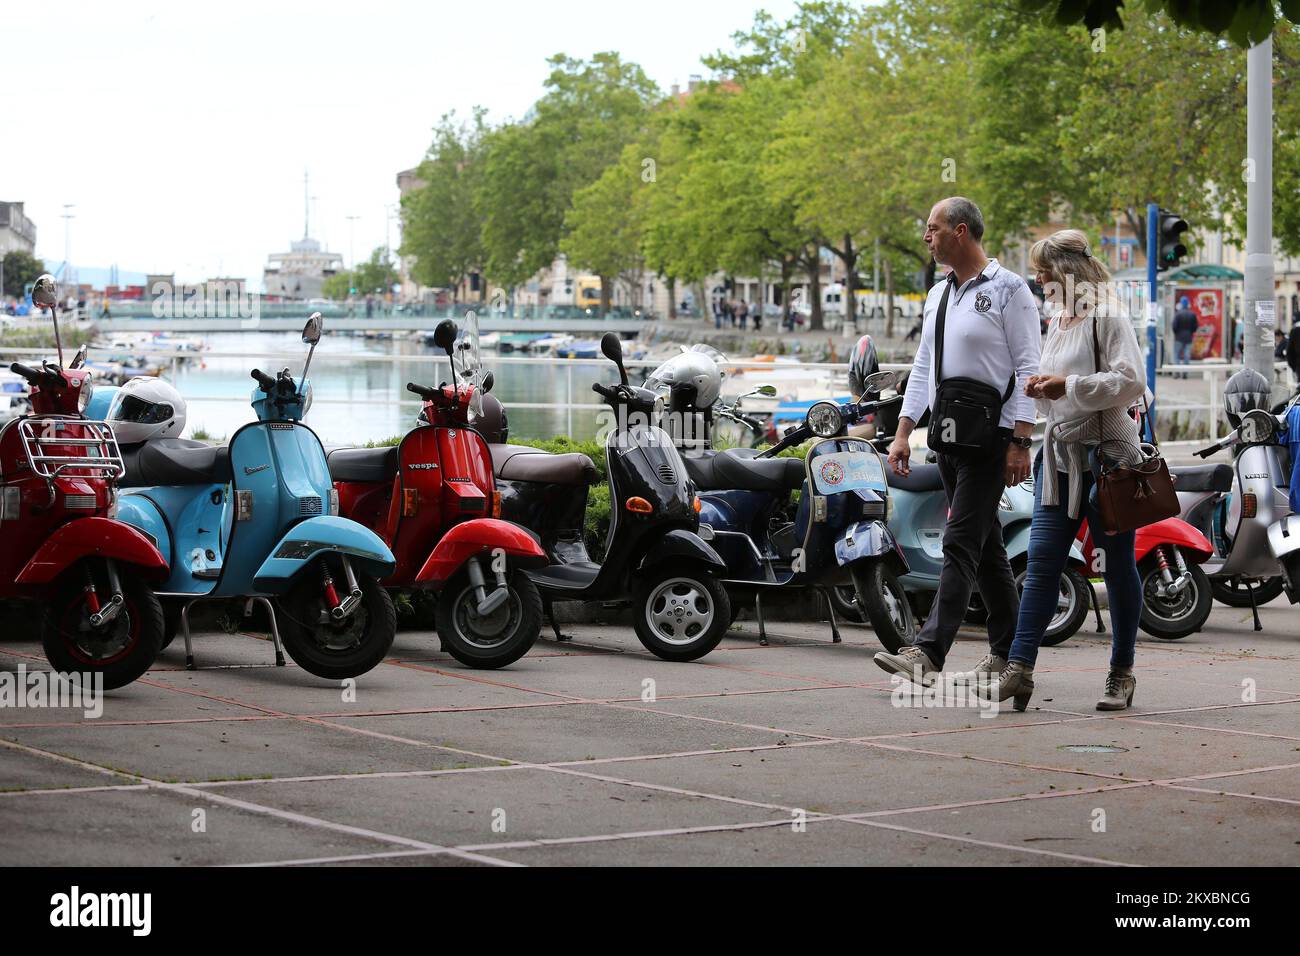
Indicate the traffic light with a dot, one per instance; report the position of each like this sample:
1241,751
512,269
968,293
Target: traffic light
1172,227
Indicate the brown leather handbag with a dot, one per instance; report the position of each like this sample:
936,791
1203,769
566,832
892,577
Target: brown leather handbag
1131,496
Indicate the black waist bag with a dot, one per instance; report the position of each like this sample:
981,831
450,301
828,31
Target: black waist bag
966,414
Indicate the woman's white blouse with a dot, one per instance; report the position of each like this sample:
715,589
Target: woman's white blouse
1073,422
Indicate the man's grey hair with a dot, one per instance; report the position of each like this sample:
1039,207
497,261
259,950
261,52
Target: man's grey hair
959,209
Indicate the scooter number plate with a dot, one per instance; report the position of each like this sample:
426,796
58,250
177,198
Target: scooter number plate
848,471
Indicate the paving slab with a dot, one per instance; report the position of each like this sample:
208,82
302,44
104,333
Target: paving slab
459,808
1142,826
822,843
577,732
224,750
1132,750
151,828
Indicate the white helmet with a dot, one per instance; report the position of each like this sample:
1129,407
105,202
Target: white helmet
145,408
700,366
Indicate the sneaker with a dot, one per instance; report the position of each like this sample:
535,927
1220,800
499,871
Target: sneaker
989,667
911,662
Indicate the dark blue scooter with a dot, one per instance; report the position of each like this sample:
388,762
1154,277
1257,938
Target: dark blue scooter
837,533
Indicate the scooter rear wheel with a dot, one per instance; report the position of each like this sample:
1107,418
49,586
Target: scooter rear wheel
121,650
680,615
1173,618
335,650
498,640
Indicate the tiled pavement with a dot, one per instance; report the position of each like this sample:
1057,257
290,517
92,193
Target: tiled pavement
596,752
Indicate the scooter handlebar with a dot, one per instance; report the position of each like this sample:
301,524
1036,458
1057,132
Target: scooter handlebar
264,380
604,390
423,391
36,376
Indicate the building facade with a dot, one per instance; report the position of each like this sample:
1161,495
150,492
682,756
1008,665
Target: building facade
17,232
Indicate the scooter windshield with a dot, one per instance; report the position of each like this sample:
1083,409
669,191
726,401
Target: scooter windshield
469,362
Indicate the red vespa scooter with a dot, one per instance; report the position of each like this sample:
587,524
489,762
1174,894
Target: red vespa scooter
433,499
62,546
1176,597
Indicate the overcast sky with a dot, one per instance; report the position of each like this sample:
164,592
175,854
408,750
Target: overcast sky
180,131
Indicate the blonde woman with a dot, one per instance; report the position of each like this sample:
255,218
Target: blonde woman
1091,374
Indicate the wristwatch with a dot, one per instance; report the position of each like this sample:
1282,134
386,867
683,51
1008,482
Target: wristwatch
1025,443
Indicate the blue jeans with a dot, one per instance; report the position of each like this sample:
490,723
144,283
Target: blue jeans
1050,537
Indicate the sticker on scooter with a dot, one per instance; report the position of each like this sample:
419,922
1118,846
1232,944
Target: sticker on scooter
849,471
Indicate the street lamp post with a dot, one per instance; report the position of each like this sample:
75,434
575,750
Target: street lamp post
1260,320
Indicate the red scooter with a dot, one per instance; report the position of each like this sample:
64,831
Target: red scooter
433,499
63,547
1176,596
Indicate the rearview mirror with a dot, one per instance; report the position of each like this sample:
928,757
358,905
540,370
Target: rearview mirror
45,291
488,381
879,381
311,332
767,391
611,346
444,336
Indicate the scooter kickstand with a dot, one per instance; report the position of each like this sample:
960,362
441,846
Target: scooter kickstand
830,610
185,631
1096,607
1254,608
275,629
758,613
550,616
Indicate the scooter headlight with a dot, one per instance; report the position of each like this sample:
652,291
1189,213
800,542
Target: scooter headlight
1257,427
824,420
83,399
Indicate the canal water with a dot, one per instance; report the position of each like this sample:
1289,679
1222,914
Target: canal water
356,401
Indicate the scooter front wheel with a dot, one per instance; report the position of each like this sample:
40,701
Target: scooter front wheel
493,640
882,597
334,649
121,649
1234,591
680,615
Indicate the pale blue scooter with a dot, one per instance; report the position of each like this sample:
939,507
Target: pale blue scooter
257,518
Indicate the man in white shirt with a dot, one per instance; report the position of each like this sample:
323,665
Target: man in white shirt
991,334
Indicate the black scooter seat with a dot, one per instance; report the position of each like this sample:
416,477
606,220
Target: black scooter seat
175,461
565,577
739,468
1202,477
363,464
522,463
924,478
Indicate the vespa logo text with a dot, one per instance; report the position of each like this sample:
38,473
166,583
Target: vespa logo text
422,465
255,470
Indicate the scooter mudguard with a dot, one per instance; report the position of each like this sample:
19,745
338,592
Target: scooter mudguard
143,513
1172,531
320,535
1018,544
471,538
682,545
870,539
92,537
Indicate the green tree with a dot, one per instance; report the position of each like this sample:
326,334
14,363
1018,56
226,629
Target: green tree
441,227
591,110
20,267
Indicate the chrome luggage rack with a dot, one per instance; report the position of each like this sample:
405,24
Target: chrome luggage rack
102,457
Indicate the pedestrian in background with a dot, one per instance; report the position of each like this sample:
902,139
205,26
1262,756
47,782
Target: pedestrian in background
742,312
1184,327
1293,350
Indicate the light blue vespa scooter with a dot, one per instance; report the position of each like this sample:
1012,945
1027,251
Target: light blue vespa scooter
258,519
919,516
